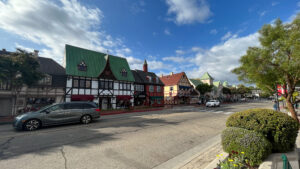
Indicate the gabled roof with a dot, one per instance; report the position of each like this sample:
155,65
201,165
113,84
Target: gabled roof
195,82
49,66
217,83
225,84
206,76
95,63
141,77
170,80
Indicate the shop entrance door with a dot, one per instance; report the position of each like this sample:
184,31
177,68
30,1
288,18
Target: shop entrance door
105,103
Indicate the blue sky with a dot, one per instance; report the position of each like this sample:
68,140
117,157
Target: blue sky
194,36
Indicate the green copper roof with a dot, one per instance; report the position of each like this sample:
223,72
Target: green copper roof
225,84
195,82
206,76
94,61
217,83
117,64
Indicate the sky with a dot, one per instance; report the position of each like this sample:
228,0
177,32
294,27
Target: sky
192,36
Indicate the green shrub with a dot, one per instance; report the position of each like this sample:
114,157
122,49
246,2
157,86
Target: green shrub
279,128
255,146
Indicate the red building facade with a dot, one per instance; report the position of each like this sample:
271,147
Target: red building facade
149,89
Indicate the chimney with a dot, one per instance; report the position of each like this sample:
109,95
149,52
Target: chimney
171,73
35,53
145,66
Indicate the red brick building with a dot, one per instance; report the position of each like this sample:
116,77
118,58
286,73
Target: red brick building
148,88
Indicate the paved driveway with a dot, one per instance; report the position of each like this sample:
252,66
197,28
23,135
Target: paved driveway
138,140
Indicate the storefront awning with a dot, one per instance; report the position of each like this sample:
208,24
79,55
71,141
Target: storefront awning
124,97
82,97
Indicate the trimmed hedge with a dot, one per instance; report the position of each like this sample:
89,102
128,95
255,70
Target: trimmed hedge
279,128
254,145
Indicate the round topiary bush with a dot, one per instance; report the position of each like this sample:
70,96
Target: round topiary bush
279,128
255,146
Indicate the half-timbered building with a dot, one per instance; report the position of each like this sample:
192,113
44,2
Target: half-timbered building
177,89
98,77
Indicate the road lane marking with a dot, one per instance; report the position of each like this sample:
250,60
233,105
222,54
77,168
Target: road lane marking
228,112
217,112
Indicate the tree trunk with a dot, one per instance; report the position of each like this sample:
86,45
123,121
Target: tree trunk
291,109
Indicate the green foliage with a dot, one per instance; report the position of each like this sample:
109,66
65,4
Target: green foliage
275,61
254,145
204,88
241,89
279,128
226,90
19,68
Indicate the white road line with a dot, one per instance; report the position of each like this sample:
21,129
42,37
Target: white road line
218,112
228,112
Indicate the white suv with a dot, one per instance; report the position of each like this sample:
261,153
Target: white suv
213,103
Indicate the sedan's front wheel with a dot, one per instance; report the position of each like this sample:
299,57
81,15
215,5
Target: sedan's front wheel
31,125
86,119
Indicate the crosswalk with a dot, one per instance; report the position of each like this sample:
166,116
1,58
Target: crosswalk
217,112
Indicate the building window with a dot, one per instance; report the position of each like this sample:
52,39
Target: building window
82,66
171,88
88,84
124,73
157,80
151,88
158,89
45,81
106,84
75,83
125,86
82,83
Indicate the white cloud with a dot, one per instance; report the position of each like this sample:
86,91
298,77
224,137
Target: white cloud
275,3
226,36
56,24
27,49
179,52
213,31
189,11
220,59
174,59
262,13
167,31
138,7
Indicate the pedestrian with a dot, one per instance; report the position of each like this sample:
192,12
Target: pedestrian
275,106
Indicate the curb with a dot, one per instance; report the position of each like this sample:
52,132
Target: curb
187,156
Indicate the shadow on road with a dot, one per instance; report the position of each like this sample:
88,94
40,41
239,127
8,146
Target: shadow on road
50,139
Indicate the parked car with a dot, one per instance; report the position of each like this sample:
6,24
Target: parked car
213,103
55,114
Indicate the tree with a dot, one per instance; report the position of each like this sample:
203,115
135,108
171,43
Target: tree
276,61
226,90
18,69
243,89
204,88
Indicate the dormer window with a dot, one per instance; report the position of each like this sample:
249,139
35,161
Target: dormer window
82,66
124,73
149,78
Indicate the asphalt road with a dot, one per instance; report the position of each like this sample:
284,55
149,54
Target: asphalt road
137,140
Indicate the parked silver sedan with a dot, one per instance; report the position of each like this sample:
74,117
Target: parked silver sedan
55,114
